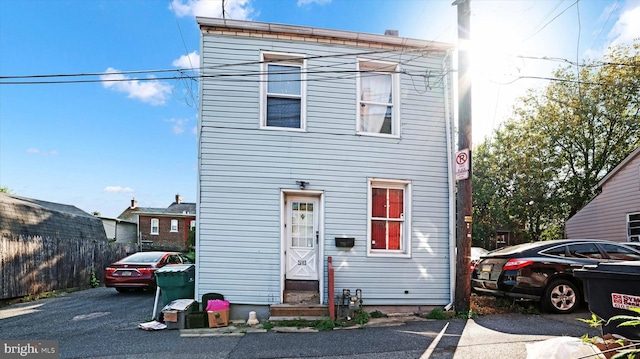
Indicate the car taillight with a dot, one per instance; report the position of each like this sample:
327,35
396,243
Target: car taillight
145,270
109,270
473,266
514,264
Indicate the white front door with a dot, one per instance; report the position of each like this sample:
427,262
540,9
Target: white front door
302,238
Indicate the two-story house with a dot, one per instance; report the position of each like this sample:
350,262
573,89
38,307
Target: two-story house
316,143
162,227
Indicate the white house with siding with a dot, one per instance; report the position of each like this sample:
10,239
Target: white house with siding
309,139
614,214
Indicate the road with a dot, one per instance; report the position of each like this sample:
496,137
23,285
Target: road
101,323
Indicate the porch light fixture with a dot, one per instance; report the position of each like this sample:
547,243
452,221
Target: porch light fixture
302,184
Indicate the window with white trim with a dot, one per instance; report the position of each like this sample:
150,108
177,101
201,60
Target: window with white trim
282,91
174,225
192,224
389,223
633,227
155,226
378,94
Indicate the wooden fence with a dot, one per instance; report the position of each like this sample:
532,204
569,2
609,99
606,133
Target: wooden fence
31,265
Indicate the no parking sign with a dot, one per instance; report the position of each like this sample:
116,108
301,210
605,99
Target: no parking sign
462,164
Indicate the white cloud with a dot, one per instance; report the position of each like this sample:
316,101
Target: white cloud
149,91
118,189
627,27
307,2
40,152
234,9
178,125
190,61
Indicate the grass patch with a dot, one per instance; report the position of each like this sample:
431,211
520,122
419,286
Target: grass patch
377,314
437,313
485,305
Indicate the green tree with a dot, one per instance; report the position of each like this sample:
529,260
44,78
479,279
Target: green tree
544,163
5,190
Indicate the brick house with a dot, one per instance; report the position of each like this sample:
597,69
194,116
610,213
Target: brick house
163,227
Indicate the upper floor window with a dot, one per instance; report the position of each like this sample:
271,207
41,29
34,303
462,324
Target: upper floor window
174,225
283,91
155,226
388,214
378,93
192,224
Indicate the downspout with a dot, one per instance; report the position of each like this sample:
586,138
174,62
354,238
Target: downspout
198,213
446,66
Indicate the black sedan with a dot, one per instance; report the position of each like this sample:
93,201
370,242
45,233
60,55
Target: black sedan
543,271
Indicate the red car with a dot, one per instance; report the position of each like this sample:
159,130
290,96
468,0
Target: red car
137,271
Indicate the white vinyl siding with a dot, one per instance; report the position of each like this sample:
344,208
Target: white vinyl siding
606,216
155,226
244,169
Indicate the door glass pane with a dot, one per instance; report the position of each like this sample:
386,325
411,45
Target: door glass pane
584,250
302,225
620,253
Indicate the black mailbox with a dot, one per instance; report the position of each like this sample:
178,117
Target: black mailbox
345,242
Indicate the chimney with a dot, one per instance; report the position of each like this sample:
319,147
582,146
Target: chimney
178,199
391,33
134,203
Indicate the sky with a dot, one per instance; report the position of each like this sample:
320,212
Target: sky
97,144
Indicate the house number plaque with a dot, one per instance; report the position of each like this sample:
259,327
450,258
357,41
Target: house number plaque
302,262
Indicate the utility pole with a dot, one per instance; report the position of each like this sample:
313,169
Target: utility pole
464,208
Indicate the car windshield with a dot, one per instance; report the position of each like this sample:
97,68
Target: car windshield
143,257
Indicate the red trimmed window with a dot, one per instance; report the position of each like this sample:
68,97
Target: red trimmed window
387,218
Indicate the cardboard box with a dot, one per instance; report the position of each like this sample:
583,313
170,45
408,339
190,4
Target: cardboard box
170,316
218,318
174,314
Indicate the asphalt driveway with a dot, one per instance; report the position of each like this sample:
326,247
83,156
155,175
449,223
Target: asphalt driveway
102,323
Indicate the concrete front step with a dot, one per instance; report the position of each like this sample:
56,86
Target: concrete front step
310,318
298,310
301,297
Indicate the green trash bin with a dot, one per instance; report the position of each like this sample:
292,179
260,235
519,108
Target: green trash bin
176,281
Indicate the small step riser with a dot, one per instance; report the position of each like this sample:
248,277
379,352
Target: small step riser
298,312
298,297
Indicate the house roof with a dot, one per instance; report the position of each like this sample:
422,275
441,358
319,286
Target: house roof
24,216
174,209
6,198
619,167
304,31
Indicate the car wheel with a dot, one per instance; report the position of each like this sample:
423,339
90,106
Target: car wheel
561,297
